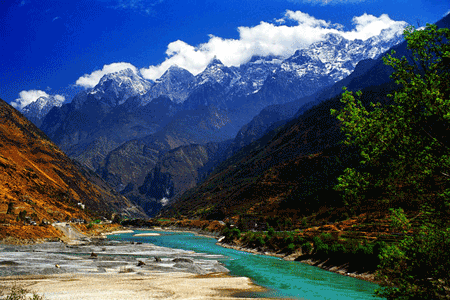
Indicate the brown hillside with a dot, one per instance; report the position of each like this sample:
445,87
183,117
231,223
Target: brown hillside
36,177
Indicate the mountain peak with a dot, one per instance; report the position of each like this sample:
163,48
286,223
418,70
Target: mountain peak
115,88
334,38
38,109
174,84
215,61
175,71
119,74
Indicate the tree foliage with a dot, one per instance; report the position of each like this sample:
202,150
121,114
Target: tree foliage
405,163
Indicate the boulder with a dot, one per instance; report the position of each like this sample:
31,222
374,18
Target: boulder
183,260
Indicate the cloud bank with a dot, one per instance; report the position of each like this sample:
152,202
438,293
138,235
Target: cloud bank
27,97
296,30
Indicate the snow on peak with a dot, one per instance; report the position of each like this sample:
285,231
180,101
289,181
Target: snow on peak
336,56
40,108
115,88
174,83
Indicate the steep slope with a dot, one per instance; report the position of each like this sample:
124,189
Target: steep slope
39,182
180,169
131,162
288,172
269,118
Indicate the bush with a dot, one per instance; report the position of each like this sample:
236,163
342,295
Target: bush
19,293
306,248
231,234
337,250
260,241
291,247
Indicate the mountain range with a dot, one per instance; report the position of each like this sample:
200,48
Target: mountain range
129,129
289,172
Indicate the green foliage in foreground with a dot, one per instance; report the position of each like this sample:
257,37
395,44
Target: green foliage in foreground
417,267
406,163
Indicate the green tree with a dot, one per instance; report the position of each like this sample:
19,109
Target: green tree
406,163
10,210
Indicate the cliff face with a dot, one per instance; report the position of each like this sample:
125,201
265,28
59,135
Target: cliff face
39,183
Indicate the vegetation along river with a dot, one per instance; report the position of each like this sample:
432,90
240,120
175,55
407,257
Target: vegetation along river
283,279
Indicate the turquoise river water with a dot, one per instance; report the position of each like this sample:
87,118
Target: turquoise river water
283,279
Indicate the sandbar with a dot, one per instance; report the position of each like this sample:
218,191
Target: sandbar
117,232
147,234
158,285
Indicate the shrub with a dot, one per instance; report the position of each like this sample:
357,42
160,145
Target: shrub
260,241
306,248
337,250
271,231
19,293
291,247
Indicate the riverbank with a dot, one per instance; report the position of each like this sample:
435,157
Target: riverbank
296,256
158,285
342,269
105,269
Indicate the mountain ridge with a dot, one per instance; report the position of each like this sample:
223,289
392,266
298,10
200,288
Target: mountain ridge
40,184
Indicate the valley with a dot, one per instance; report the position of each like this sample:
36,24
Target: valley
333,156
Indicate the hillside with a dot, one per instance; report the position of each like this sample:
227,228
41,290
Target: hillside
289,172
40,184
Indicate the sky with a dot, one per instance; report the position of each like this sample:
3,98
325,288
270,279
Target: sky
54,47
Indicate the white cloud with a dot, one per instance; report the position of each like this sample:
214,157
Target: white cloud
91,80
27,97
448,12
266,39
367,26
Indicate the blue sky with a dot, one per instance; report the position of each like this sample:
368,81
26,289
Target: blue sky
51,47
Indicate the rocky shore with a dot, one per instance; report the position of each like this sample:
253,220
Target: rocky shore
308,259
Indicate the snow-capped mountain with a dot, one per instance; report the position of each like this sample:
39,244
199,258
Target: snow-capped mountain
115,88
37,110
216,72
321,64
174,83
307,70
126,120
336,56
253,74
213,104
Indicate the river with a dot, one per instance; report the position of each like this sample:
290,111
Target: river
283,279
